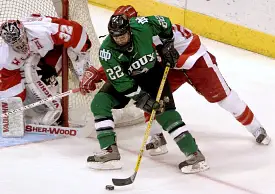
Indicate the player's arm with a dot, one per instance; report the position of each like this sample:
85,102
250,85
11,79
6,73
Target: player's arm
74,37
71,34
162,27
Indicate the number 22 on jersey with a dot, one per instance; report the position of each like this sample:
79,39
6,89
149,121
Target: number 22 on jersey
115,73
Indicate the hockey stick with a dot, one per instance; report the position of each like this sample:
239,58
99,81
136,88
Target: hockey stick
131,179
43,101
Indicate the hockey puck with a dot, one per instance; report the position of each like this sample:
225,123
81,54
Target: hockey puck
109,187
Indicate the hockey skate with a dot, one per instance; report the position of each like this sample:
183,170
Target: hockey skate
157,145
107,159
194,163
261,136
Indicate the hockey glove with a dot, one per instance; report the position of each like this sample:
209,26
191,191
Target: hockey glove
168,53
88,83
147,103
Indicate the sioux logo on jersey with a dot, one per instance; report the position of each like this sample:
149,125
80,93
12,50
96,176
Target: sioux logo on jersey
135,68
105,54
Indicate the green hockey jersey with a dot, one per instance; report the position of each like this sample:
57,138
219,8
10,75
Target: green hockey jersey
121,66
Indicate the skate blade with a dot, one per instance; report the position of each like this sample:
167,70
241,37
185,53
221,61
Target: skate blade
266,140
199,167
159,151
110,165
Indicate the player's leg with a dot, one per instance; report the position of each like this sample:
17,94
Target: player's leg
103,103
41,84
171,121
216,90
157,142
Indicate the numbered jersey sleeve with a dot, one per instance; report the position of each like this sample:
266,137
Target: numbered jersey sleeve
46,32
71,34
155,25
113,64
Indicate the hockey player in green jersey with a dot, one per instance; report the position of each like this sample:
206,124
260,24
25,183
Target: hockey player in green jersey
129,61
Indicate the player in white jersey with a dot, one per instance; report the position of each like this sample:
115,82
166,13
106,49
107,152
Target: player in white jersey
198,67
25,75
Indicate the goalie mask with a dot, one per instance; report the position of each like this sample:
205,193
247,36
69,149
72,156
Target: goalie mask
14,34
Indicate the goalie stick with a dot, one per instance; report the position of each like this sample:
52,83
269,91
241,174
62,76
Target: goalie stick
57,130
131,179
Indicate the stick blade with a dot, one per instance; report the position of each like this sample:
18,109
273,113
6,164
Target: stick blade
124,182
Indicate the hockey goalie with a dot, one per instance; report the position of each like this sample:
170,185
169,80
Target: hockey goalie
28,69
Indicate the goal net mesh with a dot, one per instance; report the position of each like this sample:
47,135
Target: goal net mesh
78,10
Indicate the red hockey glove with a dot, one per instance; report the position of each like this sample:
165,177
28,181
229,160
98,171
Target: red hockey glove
102,74
88,83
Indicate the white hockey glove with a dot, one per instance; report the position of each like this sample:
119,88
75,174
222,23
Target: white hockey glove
81,61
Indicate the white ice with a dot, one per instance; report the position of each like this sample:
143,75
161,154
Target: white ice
238,164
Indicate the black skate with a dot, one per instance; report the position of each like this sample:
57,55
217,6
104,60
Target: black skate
107,159
194,163
261,136
157,145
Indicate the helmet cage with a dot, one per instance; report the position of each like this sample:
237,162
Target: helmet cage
13,34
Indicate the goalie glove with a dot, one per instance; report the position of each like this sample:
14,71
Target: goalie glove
88,83
80,61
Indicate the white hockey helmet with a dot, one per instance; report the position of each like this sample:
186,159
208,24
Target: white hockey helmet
14,34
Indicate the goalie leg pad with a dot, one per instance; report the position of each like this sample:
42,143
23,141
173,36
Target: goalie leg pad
11,125
47,113
46,118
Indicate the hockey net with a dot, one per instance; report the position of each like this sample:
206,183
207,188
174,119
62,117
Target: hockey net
76,107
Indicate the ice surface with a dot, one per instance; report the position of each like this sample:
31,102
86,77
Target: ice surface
237,164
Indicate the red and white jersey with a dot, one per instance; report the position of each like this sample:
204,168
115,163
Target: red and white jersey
44,33
187,44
